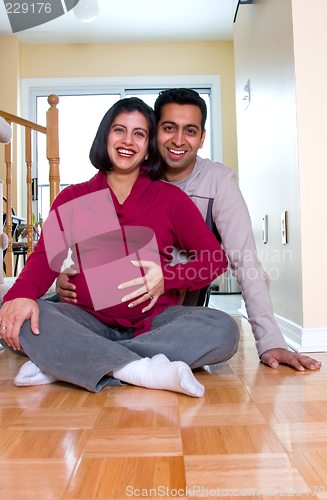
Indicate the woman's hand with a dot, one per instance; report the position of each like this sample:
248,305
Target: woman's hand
12,316
65,289
153,285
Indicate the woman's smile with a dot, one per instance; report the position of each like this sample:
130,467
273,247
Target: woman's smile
127,153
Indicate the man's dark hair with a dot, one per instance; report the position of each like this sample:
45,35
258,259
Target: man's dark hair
99,153
181,96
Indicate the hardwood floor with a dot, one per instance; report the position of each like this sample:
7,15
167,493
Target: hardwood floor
256,433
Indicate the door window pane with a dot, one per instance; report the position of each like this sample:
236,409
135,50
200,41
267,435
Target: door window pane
79,119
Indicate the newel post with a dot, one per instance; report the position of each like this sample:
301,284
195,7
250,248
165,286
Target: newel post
53,146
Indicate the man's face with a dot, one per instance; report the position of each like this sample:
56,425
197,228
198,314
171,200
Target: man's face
179,138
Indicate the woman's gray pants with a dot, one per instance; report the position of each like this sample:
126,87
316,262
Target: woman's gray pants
75,347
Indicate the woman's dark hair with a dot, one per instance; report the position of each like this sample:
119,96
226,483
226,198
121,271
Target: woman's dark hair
99,154
181,96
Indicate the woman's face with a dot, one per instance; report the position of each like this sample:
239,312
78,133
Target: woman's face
128,141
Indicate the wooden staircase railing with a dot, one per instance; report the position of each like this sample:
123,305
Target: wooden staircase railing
51,131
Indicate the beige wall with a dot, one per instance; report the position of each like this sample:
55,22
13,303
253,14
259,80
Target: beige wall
310,51
267,143
282,149
10,100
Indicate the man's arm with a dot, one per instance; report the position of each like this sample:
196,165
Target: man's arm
232,220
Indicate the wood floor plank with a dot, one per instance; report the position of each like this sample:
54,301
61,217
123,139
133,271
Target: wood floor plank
162,471
26,479
264,439
227,395
218,377
108,418
257,474
312,467
311,436
287,393
137,396
138,417
177,476
202,441
231,444
134,442
8,416
87,478
57,419
17,397
221,414
294,412
244,439
61,444
271,379
49,399
167,416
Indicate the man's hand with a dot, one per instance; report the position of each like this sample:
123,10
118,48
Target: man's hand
12,315
153,285
65,289
273,357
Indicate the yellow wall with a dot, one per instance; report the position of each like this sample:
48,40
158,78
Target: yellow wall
310,49
143,59
10,100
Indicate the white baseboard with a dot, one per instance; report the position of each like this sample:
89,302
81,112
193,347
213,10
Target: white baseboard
303,339
299,338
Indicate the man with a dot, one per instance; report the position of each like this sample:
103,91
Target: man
181,116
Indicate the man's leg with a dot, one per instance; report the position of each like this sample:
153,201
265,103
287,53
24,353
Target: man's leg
196,335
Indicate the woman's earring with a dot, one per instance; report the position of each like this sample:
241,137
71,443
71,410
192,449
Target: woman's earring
147,156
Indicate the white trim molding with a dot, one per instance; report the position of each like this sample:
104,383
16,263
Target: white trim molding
303,339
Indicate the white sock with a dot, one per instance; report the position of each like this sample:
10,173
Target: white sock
160,373
30,374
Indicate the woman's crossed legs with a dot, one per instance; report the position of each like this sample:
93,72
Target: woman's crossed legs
75,347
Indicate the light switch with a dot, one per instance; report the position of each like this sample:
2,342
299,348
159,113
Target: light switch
284,227
265,229
246,95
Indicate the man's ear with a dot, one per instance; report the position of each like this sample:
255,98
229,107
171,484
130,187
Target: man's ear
202,138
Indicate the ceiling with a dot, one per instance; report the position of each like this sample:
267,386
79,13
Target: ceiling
135,21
